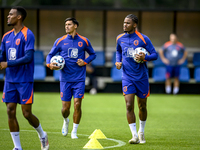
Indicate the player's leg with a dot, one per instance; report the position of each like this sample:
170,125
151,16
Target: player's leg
76,117
176,80
143,116
78,91
34,122
129,91
26,101
168,80
142,93
129,98
176,85
11,97
65,113
66,96
13,124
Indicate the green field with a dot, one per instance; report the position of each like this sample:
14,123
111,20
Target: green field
173,123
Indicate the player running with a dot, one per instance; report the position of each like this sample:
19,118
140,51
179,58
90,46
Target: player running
135,75
17,58
72,48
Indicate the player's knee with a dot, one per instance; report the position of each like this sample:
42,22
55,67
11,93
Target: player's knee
129,107
27,114
11,112
65,109
77,105
142,108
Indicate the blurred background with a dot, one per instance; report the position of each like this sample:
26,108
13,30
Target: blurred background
101,21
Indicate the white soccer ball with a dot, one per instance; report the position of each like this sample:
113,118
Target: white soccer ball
59,60
137,51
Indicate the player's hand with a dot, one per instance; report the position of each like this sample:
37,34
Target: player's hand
118,65
165,61
140,57
53,66
3,65
80,62
181,61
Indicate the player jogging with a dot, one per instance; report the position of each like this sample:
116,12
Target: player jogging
72,48
17,58
135,75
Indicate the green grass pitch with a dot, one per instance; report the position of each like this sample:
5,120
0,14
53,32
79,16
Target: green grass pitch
173,123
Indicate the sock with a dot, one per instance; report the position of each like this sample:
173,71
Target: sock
40,131
142,126
16,139
75,127
66,119
176,90
133,128
168,89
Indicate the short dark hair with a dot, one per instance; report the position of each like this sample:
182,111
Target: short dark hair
133,17
73,20
21,11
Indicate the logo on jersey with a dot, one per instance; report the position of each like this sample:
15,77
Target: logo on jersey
7,41
125,88
136,42
80,44
17,42
12,53
73,52
129,51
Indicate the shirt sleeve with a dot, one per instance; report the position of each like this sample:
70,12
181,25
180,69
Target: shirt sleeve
153,55
118,52
91,53
54,50
29,44
2,52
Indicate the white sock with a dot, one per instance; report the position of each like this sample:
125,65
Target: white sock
168,89
142,126
66,119
16,139
40,131
75,127
133,128
176,90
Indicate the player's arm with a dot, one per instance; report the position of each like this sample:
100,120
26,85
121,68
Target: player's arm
90,51
162,57
118,63
182,60
27,58
153,55
2,51
54,51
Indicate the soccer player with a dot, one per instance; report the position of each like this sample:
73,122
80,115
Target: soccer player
135,75
72,48
17,58
173,54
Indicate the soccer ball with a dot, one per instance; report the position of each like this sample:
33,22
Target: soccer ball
137,51
59,60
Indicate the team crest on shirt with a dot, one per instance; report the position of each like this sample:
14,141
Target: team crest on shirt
80,44
12,53
73,52
17,42
136,42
